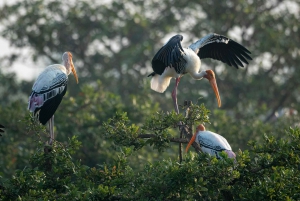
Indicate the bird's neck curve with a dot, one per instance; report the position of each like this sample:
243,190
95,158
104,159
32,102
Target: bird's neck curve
193,63
67,65
198,76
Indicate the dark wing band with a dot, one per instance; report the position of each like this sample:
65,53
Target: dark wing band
1,129
45,101
171,54
60,80
49,107
223,49
210,146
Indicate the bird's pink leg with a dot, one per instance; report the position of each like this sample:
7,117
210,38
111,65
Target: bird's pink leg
174,95
51,129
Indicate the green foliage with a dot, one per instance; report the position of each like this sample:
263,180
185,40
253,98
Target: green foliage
159,125
65,180
273,173
126,144
268,172
118,129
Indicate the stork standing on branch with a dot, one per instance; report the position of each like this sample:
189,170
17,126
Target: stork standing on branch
173,61
211,143
48,91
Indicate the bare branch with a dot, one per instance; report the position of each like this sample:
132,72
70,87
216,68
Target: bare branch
146,135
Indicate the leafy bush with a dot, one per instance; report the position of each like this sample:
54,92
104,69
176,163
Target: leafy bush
268,171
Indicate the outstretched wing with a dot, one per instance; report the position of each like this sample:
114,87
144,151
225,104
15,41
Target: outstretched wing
171,54
221,48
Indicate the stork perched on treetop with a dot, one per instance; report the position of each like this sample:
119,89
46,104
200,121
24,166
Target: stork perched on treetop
173,61
211,143
49,89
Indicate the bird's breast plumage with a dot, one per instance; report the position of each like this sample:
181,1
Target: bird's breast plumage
193,61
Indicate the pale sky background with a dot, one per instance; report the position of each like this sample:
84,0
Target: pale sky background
24,67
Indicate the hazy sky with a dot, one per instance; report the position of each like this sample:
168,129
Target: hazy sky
24,67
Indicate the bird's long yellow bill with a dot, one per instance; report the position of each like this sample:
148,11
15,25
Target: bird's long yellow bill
74,72
191,142
214,85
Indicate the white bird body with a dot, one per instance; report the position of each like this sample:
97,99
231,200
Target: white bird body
211,143
49,89
160,83
193,64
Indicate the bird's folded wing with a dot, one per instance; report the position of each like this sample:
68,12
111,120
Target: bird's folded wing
46,87
49,80
213,141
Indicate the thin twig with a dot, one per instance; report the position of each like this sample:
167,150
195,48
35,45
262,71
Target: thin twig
180,148
178,140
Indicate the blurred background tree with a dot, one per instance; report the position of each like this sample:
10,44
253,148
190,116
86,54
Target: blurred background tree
113,42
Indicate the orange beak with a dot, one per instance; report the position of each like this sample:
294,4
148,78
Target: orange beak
74,71
191,141
214,85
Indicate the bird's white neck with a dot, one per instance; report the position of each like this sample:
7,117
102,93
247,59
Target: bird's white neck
68,67
193,64
198,76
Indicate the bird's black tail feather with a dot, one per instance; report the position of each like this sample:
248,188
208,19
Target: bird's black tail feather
152,74
1,129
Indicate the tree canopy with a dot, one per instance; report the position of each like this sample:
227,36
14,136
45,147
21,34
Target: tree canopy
116,138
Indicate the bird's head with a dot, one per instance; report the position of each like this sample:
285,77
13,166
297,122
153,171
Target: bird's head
68,62
199,128
210,75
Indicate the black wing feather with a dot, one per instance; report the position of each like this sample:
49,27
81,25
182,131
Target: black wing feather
231,59
1,129
236,59
240,52
171,54
49,107
226,50
223,57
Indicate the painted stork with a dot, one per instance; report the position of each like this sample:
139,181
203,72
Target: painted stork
49,89
1,129
173,61
211,143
